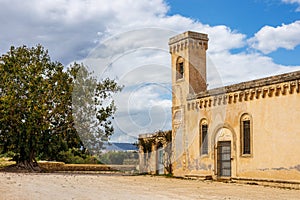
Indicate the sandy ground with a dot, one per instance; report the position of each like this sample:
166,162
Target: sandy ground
79,186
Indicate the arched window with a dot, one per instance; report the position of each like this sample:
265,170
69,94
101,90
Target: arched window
203,137
179,68
246,134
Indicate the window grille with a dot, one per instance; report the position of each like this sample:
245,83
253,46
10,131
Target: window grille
204,139
246,137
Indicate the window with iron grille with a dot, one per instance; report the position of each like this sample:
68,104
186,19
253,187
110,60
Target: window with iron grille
204,139
246,137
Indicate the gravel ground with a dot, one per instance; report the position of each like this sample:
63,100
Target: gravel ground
103,186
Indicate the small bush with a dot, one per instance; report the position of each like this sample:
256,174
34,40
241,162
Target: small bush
74,156
117,157
8,154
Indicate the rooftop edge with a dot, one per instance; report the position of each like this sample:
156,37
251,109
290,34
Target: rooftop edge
291,76
188,34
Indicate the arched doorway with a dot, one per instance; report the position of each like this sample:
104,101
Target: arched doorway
225,153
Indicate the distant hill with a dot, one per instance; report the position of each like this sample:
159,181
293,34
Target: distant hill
114,146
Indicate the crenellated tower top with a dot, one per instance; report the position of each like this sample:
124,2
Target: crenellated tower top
188,39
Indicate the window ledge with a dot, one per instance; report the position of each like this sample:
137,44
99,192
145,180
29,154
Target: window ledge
204,156
246,155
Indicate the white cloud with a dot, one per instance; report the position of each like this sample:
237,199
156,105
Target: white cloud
269,39
144,109
222,38
293,2
128,40
225,68
69,29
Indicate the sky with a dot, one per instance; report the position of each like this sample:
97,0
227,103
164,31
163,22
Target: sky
128,40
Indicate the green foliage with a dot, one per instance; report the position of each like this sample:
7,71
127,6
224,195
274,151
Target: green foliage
93,107
117,157
146,144
8,154
76,156
161,139
37,103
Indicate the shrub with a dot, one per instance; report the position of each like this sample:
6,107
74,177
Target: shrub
117,157
75,156
8,154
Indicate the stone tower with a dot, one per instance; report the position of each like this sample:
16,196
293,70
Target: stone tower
188,53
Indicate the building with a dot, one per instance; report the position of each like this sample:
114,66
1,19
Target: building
247,131
155,152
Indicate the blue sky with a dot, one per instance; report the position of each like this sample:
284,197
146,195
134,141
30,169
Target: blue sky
128,40
246,16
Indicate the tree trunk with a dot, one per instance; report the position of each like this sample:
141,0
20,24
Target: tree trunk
31,166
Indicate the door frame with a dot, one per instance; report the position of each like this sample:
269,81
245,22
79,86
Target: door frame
160,168
220,161
224,132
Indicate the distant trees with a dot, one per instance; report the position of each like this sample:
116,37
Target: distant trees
36,106
119,157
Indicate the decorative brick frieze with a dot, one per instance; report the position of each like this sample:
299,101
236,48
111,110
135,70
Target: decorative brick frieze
186,40
249,94
188,43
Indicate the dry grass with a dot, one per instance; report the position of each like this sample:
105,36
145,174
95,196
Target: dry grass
60,166
4,162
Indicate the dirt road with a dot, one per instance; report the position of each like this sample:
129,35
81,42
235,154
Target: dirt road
77,186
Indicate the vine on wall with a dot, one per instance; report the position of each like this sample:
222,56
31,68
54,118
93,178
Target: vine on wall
160,139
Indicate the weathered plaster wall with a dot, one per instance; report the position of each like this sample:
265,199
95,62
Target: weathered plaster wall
190,47
272,103
275,131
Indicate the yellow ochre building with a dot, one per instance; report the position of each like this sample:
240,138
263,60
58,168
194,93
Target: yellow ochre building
247,132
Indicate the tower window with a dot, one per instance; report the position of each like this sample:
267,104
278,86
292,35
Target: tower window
179,68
